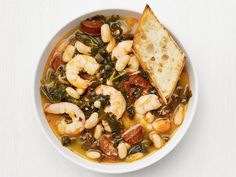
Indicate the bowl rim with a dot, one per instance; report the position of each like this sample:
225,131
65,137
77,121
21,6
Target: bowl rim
111,168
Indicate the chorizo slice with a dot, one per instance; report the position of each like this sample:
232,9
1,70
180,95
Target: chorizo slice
92,27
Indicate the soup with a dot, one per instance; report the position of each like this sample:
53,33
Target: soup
93,90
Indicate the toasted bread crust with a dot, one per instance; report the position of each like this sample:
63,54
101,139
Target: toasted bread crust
164,74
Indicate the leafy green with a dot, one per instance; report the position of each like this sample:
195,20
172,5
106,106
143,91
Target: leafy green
98,17
111,119
116,76
72,100
116,139
86,103
112,19
95,43
51,88
138,92
181,95
123,37
187,94
113,123
141,147
102,56
104,99
152,90
144,74
62,75
131,112
65,140
116,30
137,148
87,39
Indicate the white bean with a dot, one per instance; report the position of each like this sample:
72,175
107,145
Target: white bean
122,150
105,33
179,115
135,156
121,62
91,121
80,91
63,45
68,53
127,145
111,45
72,92
106,126
82,48
149,117
97,104
92,154
133,65
156,139
98,131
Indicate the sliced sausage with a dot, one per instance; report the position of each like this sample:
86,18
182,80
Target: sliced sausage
134,134
92,27
56,61
135,81
107,147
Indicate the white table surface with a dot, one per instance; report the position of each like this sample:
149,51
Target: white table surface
206,29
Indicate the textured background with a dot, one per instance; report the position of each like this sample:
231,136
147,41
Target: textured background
206,29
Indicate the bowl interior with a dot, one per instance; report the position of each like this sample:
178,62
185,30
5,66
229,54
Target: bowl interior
108,167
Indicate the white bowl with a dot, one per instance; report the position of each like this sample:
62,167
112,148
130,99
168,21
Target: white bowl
114,168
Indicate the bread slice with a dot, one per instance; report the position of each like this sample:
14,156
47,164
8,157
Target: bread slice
158,54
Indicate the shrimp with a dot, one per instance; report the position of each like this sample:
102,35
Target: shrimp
77,116
146,103
77,64
117,101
